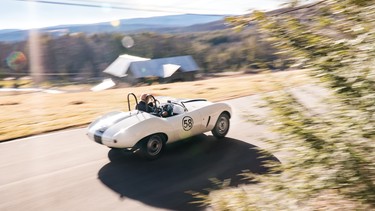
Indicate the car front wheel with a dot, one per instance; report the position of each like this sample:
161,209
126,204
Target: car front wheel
152,146
222,126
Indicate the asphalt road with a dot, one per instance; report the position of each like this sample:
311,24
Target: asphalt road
67,171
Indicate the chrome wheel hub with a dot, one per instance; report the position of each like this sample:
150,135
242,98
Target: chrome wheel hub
223,125
154,145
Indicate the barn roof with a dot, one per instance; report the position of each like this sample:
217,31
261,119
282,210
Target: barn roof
142,67
163,67
121,65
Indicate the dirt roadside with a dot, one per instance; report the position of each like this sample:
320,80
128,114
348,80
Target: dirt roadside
35,113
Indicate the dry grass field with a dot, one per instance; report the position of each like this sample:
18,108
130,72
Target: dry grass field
35,113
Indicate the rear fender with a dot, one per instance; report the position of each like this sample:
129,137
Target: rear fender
131,136
140,142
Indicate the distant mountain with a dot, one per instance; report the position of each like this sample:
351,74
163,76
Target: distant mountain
14,36
174,20
162,24
211,26
8,30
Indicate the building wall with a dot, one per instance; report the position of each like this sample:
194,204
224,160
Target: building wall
179,76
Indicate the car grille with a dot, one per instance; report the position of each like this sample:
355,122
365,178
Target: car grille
98,139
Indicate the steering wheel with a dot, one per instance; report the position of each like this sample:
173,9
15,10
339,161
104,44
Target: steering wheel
156,105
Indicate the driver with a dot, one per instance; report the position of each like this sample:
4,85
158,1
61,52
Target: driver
144,104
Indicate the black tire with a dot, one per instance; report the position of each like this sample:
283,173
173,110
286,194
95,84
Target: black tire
222,126
152,146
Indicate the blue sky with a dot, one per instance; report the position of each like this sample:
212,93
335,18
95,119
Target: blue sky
25,14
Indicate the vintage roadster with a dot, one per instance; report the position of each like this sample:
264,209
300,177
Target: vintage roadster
147,132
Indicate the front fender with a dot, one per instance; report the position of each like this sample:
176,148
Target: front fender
212,114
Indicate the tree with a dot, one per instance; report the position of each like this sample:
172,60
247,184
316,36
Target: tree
331,164
71,55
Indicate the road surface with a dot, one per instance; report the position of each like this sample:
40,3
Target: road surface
67,171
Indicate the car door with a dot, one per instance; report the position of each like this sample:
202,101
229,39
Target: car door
185,125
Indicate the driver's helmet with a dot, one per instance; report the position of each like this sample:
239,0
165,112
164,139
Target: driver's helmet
144,97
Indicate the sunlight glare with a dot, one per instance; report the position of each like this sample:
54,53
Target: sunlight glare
36,67
116,23
16,60
127,42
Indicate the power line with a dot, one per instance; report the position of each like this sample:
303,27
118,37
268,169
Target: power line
117,6
143,6
93,5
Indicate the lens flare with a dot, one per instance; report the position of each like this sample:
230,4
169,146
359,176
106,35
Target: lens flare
127,42
116,23
16,60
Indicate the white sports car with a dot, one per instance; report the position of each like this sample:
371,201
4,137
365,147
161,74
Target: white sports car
147,132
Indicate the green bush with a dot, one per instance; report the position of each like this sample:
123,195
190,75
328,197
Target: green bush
331,162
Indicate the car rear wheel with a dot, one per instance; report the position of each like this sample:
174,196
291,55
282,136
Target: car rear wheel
222,126
152,146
